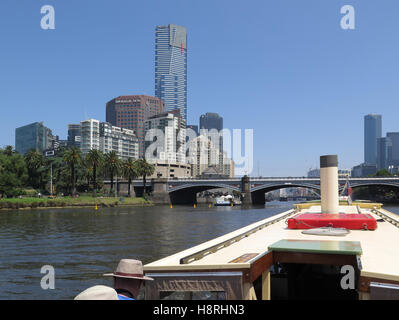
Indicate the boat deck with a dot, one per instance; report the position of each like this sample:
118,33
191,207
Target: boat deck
238,249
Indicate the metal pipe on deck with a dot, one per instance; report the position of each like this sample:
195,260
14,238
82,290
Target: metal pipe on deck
329,184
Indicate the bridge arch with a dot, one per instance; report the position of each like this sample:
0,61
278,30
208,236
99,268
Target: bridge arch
258,192
187,193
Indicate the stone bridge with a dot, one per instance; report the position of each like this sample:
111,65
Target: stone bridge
252,190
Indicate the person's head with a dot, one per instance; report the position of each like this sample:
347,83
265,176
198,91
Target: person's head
129,277
132,286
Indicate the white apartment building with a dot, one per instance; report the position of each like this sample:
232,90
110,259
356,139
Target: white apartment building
123,141
106,138
90,135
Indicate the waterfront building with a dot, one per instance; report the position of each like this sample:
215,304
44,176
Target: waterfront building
74,135
228,166
130,112
170,169
171,67
384,152
105,137
122,141
394,155
34,136
372,131
204,154
171,145
90,135
364,170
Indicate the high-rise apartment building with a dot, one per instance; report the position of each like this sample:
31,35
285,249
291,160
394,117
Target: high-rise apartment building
131,111
90,135
372,131
122,141
168,132
33,136
105,137
171,67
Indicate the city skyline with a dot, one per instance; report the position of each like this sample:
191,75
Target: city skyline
332,82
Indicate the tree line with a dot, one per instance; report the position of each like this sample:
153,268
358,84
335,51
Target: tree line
72,172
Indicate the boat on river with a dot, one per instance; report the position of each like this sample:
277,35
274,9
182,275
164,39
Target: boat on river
329,249
224,201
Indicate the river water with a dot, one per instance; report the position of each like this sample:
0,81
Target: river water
83,244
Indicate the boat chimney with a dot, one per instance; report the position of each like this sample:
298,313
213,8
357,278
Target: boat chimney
329,184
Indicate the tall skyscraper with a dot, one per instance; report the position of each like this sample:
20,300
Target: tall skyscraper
130,112
211,121
394,156
171,67
384,152
372,131
33,136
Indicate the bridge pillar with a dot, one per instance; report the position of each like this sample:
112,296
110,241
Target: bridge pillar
246,197
160,194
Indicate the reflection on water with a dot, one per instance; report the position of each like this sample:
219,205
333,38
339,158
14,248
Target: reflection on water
82,244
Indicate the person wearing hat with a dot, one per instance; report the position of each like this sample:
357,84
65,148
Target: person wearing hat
128,278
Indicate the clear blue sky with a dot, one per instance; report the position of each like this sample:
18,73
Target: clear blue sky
284,68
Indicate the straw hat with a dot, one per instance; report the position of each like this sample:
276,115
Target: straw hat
98,293
129,268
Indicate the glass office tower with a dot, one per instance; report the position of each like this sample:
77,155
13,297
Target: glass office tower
33,136
372,131
171,67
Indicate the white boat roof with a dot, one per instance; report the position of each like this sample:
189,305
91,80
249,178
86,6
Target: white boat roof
379,258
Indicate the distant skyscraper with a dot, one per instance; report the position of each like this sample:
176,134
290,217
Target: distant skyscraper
171,67
394,157
74,134
211,121
372,131
384,152
130,112
33,136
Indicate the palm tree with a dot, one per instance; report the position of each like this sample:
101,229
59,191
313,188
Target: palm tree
34,161
144,169
94,159
73,157
112,166
8,151
130,172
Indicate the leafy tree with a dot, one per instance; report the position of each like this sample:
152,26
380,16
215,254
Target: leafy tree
130,172
72,158
383,173
13,173
112,166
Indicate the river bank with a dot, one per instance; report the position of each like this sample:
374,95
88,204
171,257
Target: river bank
71,202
